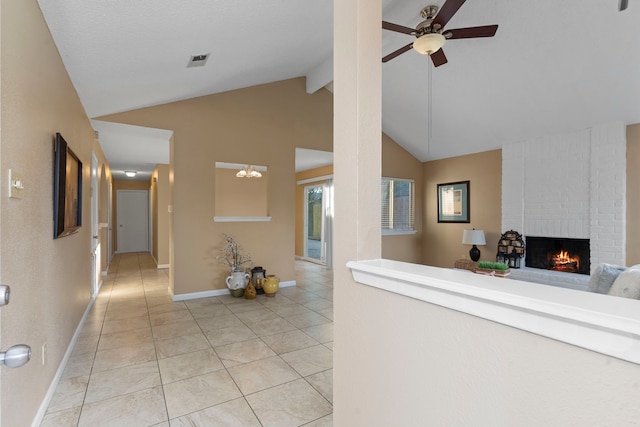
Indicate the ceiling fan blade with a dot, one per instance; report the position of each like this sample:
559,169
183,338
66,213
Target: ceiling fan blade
438,57
397,28
471,32
448,9
623,5
397,52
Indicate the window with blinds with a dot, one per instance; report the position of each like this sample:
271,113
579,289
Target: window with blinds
397,205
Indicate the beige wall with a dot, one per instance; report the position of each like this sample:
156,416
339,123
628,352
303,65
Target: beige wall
159,187
50,279
258,125
633,195
398,163
442,241
240,196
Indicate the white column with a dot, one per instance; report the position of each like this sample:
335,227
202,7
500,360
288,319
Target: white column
357,172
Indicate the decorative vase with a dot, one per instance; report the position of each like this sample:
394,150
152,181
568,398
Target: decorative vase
250,292
236,282
271,285
258,275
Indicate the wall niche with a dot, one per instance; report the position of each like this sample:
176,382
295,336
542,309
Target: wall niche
240,198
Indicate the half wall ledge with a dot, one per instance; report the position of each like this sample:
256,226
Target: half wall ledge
600,323
241,218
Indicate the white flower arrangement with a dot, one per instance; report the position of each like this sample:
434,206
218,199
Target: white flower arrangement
232,254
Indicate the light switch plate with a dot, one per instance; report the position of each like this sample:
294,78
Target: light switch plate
16,184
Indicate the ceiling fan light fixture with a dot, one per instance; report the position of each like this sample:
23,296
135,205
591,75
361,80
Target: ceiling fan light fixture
429,43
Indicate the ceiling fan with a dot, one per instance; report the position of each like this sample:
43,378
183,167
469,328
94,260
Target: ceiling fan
431,35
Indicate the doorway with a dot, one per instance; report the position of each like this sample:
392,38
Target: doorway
95,238
317,222
132,217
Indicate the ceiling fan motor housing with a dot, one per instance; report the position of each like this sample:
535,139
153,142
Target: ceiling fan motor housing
425,27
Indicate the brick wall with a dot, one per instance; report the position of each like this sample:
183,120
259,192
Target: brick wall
569,185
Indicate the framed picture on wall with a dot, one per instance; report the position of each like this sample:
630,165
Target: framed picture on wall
453,202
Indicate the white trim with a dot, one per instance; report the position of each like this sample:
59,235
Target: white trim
241,218
393,232
601,323
316,179
218,292
163,266
288,284
203,294
42,410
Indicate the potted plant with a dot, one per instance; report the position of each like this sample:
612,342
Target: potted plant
498,269
233,257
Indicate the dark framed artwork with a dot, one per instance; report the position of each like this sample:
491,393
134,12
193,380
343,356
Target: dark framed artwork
67,190
453,202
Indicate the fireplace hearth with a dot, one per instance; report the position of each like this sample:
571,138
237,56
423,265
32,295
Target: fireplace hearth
558,254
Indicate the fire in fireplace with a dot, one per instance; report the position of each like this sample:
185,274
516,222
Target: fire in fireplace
559,254
563,261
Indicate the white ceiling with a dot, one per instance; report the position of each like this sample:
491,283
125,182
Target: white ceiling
552,66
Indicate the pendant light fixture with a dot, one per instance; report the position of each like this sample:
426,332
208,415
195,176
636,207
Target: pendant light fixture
248,172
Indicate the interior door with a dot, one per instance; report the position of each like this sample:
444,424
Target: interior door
133,220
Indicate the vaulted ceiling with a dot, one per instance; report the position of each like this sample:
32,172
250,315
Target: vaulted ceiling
551,67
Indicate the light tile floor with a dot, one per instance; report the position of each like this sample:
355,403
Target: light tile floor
144,360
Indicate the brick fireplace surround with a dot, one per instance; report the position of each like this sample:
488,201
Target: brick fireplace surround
569,185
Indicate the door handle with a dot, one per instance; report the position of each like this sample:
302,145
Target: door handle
5,293
95,237
15,356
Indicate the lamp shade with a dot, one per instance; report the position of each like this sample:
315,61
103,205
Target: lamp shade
429,43
473,237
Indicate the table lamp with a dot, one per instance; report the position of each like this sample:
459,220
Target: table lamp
473,237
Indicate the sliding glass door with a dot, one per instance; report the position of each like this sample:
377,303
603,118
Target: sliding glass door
314,227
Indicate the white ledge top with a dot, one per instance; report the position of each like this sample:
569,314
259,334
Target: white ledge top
241,218
601,323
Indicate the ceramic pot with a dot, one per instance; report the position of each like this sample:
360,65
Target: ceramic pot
237,280
250,292
271,285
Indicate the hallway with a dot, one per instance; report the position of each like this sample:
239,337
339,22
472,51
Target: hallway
143,360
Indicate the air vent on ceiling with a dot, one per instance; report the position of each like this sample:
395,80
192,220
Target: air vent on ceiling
198,60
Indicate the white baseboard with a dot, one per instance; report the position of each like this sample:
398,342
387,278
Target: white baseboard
288,284
203,294
63,364
162,266
219,292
